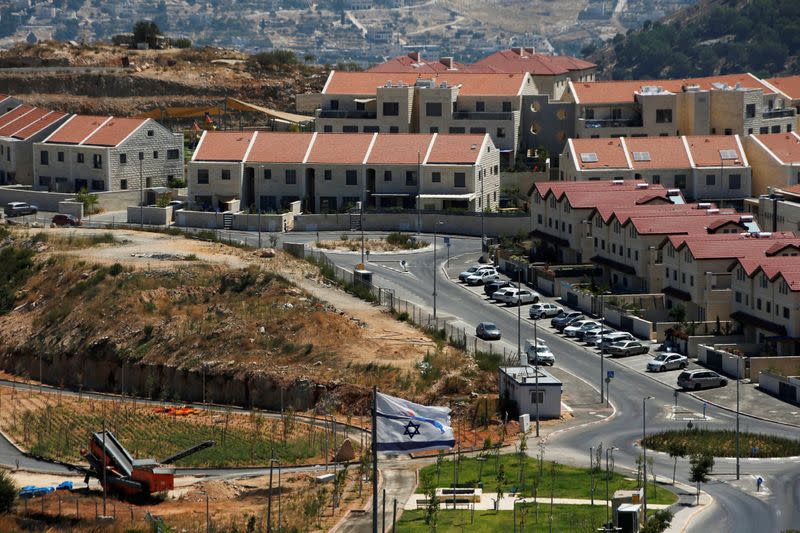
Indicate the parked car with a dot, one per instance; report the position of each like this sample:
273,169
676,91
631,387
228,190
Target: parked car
484,276
472,270
582,333
543,310
60,220
572,329
523,296
626,348
539,353
562,320
504,294
493,287
595,336
668,361
614,336
487,331
176,205
17,209
700,379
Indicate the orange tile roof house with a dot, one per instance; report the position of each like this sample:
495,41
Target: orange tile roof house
775,159
102,153
19,129
707,168
716,105
332,172
446,102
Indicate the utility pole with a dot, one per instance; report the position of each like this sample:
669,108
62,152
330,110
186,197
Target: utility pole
602,347
105,467
483,210
435,228
536,368
419,194
519,313
141,191
644,454
738,379
259,228
269,500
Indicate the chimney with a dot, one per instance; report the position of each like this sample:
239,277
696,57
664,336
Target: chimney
519,51
531,50
446,61
414,56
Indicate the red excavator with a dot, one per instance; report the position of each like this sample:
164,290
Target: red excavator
118,471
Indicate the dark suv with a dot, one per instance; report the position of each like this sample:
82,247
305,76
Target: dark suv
492,287
563,319
62,220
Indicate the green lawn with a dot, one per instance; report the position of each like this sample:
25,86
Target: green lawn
569,482
566,518
722,443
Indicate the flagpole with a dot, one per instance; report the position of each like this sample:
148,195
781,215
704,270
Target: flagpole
374,459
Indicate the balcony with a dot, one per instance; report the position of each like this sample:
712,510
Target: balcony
779,113
339,113
475,115
612,123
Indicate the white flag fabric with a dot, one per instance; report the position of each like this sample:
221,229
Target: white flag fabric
404,426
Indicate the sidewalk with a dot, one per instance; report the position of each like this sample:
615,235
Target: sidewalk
507,502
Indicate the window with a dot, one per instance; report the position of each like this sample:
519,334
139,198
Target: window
783,288
267,173
636,255
457,130
786,312
79,158
459,179
98,185
173,154
589,157
477,130
436,177
680,181
123,159
391,109
44,157
291,176
763,129
387,175
666,271
480,107
506,107
155,154
394,129
150,133
202,175
350,129
334,104
433,109
372,129
60,157
750,111
123,184
411,178
351,177
434,129
769,306
710,179
734,181
97,161
225,174
360,106
663,116
537,396
327,128
501,133
776,128
327,174
738,297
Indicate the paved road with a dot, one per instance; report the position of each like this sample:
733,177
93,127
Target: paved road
737,508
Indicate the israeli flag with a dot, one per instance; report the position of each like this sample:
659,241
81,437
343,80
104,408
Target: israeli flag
404,426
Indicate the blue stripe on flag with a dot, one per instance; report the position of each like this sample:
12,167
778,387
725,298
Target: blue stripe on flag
411,446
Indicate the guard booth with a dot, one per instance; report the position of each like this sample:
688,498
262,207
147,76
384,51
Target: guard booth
362,276
627,517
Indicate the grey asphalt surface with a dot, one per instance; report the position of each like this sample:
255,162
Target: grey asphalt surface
735,509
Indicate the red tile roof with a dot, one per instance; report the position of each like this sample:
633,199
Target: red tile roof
598,92
624,213
114,131
38,125
279,147
525,60
664,152
789,85
785,146
786,266
76,129
705,150
794,190
472,84
8,119
401,149
453,149
340,148
223,146
15,125
680,223
733,245
610,153
414,62
559,188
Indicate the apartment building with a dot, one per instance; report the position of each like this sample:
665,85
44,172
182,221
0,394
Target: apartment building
551,73
406,102
789,87
626,241
100,153
415,62
334,172
19,129
697,268
713,167
717,105
777,211
775,159
766,300
560,211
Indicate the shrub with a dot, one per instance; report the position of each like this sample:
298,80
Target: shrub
488,362
275,58
182,42
8,492
115,270
16,265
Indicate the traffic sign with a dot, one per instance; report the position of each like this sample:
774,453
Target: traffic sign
446,240
610,374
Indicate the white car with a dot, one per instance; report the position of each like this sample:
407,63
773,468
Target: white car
504,295
614,336
523,296
667,361
483,276
594,336
572,329
539,353
473,270
543,310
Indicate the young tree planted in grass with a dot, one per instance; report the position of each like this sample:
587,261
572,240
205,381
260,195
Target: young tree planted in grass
676,450
658,522
500,479
432,507
701,466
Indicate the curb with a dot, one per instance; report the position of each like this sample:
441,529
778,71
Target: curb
729,410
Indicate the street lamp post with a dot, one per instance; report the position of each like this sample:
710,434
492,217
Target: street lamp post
141,192
536,367
483,210
519,312
435,266
602,349
608,474
644,454
738,379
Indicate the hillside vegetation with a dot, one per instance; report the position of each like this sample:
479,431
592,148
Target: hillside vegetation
715,36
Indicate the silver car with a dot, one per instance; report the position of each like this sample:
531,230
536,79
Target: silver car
472,270
542,310
667,361
700,379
